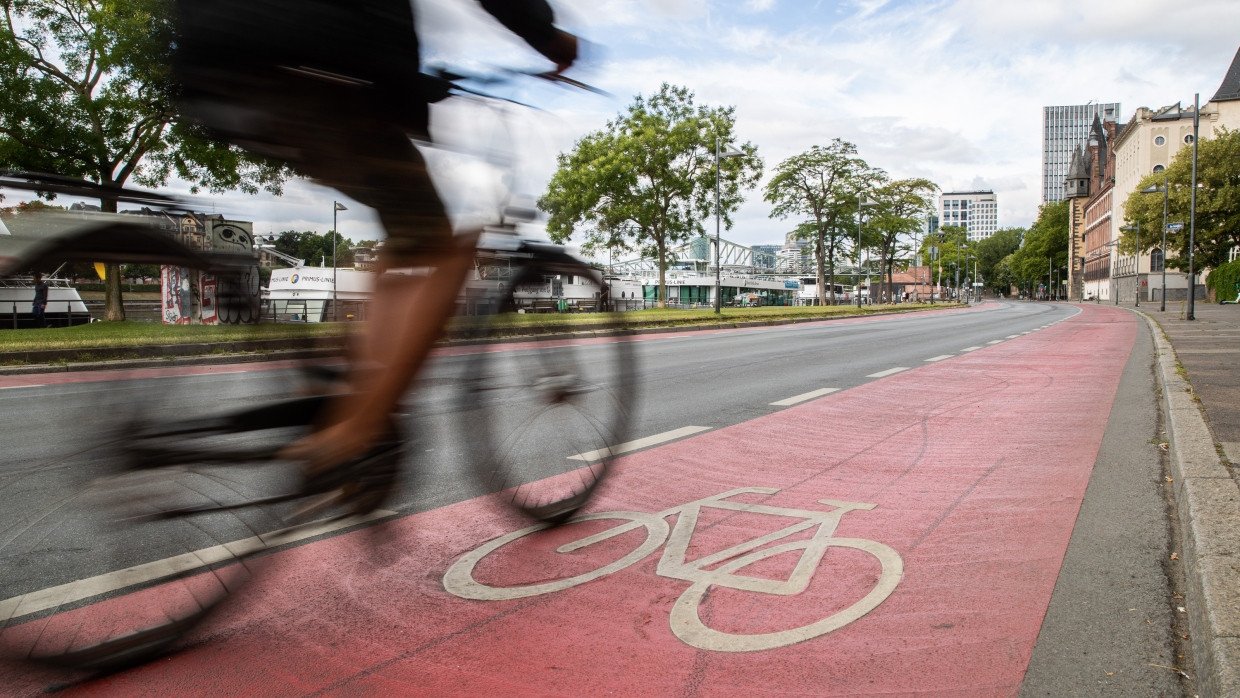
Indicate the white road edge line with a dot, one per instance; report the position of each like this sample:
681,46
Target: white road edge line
53,597
970,349
995,341
17,387
940,358
888,372
640,443
1012,336
803,397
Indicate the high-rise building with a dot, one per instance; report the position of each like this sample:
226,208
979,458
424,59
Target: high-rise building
976,211
1063,129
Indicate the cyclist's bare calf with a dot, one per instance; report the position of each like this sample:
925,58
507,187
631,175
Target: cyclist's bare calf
407,316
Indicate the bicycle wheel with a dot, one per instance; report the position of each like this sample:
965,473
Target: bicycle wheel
459,579
165,522
542,419
688,626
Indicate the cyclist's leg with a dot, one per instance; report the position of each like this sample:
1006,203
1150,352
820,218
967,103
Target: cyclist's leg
384,171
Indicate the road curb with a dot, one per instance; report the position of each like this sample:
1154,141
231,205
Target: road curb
1207,499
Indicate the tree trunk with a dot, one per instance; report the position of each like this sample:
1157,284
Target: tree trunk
113,303
820,258
662,299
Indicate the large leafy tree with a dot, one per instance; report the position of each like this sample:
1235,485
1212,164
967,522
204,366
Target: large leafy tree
1045,246
820,186
316,249
86,92
648,179
1218,204
992,250
899,211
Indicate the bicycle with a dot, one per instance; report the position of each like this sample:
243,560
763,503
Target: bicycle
702,574
540,426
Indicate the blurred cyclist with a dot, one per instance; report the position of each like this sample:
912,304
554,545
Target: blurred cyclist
333,88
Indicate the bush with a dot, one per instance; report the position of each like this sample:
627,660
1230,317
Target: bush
1225,281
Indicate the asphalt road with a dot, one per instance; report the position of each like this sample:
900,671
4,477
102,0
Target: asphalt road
710,380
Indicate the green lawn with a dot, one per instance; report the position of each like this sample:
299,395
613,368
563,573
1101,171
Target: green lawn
128,334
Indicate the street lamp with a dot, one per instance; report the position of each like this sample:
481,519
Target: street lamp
718,249
336,208
1154,189
1137,269
861,202
1192,216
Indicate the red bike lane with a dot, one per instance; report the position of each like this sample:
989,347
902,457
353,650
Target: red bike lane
975,466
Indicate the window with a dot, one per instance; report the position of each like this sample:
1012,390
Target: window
1156,260
1159,168
1159,140
1188,139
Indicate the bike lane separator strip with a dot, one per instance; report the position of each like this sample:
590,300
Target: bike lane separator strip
969,471
888,372
638,444
936,359
803,397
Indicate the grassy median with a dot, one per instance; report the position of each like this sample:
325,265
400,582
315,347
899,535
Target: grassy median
133,334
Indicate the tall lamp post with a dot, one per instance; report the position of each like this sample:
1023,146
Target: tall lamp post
718,249
1192,216
1136,269
861,203
336,208
1154,189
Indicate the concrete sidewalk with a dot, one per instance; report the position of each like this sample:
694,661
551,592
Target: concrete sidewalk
1197,371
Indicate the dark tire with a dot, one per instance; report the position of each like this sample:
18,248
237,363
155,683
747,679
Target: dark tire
542,418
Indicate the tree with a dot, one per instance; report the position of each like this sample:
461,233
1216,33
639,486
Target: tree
993,250
900,210
649,178
1218,204
87,93
821,186
316,249
947,249
1045,246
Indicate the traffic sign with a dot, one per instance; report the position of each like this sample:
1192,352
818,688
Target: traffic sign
1175,227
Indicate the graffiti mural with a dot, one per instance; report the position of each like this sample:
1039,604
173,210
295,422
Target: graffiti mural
174,292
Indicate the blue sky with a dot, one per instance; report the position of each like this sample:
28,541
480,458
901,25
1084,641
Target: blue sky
951,90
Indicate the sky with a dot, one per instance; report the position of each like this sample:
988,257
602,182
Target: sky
949,90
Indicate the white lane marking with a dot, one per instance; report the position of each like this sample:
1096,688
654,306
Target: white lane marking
970,349
18,387
54,597
640,443
940,358
995,341
804,396
1012,336
888,372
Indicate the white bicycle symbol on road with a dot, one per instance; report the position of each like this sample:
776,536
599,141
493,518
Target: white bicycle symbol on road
685,620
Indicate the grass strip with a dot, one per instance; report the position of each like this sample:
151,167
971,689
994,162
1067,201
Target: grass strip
133,334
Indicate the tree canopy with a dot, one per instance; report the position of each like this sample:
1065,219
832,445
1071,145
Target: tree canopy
1218,204
899,211
647,180
87,93
316,249
821,187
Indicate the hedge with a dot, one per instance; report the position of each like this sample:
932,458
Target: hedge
1225,281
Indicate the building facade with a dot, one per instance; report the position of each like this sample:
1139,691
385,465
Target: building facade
1063,129
1147,144
976,211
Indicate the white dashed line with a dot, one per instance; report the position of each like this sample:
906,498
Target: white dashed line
56,596
940,358
888,372
970,349
804,396
640,443
995,341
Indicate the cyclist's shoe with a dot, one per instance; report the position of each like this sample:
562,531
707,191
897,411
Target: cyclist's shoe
359,486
